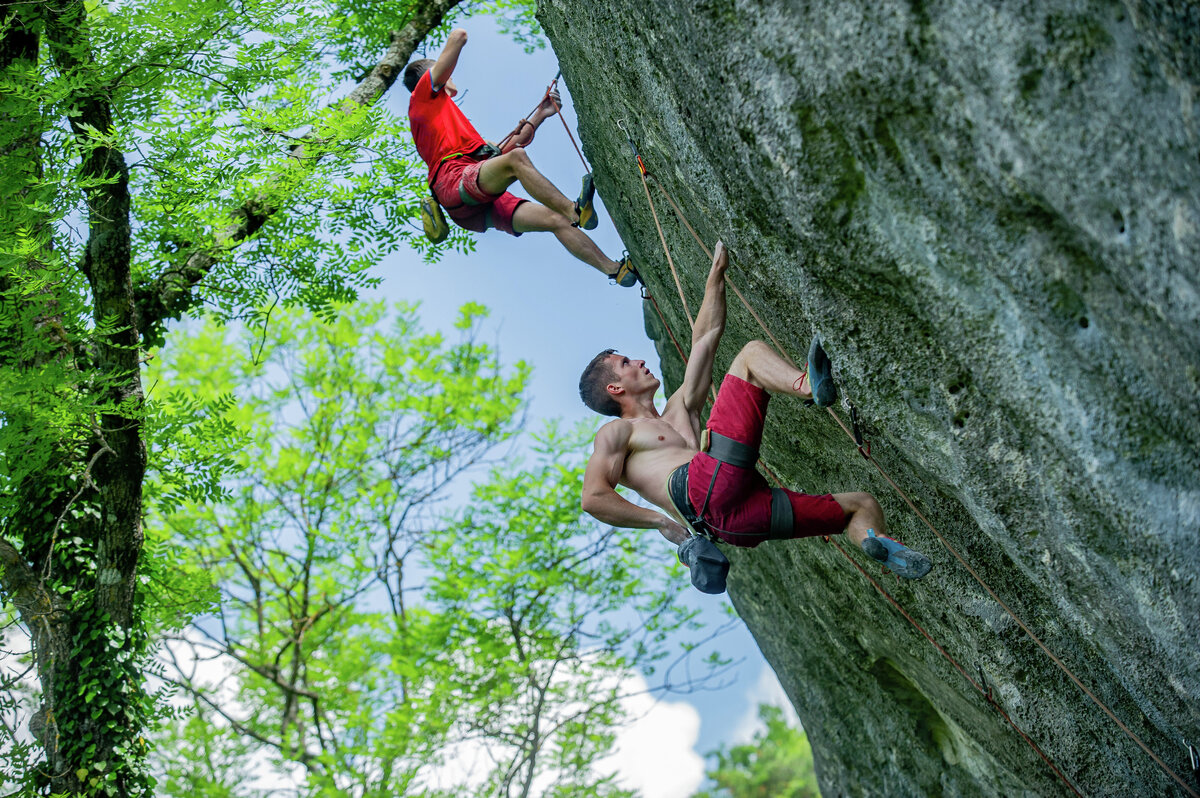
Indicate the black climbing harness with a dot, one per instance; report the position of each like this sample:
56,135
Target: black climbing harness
726,451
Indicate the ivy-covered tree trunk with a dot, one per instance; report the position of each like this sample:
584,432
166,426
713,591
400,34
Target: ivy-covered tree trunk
101,706
78,516
73,446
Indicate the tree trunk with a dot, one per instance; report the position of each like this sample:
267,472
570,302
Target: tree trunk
72,535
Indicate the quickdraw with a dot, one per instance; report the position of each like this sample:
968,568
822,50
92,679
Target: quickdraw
864,448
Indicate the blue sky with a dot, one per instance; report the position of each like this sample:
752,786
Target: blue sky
556,313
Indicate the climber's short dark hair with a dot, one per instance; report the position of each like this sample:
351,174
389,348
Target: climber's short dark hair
414,71
593,385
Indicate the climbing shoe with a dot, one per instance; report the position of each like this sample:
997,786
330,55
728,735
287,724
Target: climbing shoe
900,559
708,565
626,276
583,206
820,374
433,221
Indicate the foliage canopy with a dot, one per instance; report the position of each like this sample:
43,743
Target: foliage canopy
364,642
156,157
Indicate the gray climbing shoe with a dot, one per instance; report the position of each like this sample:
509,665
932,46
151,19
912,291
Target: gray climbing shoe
900,559
708,565
820,374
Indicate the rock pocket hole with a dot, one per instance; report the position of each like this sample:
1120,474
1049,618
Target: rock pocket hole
1083,322
960,419
1118,223
929,730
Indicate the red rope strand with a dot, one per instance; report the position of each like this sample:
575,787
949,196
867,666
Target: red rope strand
945,543
566,127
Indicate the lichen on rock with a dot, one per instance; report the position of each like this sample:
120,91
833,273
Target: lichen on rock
991,213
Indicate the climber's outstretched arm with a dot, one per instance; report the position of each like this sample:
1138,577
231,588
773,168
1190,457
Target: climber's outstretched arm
706,334
522,134
441,71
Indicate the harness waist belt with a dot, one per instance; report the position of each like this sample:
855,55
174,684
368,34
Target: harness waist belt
677,491
727,450
481,153
782,518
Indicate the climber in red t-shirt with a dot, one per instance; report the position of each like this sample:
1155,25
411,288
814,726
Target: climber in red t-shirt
470,176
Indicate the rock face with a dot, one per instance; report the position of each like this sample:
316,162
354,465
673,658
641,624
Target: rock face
991,213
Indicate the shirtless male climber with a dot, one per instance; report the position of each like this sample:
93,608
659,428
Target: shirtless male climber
712,490
470,176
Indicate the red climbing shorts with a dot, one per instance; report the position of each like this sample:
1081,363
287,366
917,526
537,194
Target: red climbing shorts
456,186
739,506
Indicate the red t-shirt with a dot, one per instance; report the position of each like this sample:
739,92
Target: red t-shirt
438,127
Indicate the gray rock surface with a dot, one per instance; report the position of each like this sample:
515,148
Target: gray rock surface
991,212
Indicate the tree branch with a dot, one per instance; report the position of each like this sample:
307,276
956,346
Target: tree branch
172,293
22,586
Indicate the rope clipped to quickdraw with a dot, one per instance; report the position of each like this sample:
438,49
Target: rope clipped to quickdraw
864,449
549,95
654,212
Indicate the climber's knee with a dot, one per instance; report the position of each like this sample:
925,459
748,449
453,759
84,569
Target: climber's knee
745,360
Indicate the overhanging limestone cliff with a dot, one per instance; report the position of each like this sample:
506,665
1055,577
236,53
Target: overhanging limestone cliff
991,212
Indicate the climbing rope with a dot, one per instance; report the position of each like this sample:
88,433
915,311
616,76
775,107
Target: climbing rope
866,453
549,95
654,212
986,693
566,127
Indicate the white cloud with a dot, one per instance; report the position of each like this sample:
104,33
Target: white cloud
656,753
766,690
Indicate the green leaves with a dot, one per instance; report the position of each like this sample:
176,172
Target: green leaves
251,188
341,430
776,762
362,632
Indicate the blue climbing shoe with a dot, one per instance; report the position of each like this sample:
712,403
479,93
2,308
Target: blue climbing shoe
820,374
583,206
900,559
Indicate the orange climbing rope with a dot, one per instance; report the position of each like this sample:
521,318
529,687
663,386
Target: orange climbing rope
661,236
986,693
865,452
549,95
566,127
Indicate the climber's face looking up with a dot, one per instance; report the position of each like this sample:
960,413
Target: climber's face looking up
632,376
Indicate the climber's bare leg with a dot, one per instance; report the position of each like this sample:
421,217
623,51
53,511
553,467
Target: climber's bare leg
862,513
759,364
497,174
531,217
